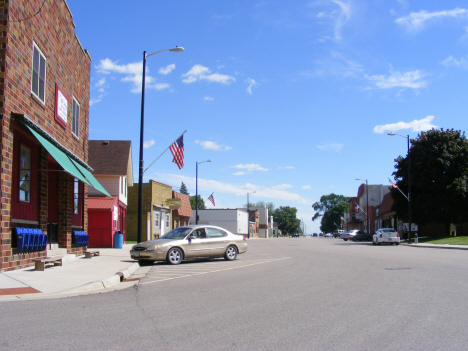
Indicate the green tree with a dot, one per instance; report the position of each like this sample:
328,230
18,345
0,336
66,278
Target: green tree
331,219
326,202
439,178
285,216
201,202
183,189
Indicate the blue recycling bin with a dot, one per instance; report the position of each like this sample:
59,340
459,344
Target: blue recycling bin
118,240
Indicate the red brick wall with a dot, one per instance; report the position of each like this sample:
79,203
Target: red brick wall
68,65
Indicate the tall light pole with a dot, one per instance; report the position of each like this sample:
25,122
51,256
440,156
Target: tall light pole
248,216
409,184
367,205
196,191
140,177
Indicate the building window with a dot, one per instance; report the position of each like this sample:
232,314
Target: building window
76,118
167,220
78,201
156,219
25,175
76,197
38,74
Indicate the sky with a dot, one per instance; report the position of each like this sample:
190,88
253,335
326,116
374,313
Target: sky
291,100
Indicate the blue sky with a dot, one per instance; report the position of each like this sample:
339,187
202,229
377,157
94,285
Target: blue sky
292,99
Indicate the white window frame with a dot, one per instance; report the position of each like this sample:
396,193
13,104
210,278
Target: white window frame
75,118
156,219
168,219
33,71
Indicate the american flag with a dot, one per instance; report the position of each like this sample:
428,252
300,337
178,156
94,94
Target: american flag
393,184
211,198
177,149
357,207
342,218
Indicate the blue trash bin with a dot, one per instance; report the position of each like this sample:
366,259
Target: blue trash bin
118,240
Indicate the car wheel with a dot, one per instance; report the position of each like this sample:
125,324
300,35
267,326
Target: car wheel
397,244
231,253
174,256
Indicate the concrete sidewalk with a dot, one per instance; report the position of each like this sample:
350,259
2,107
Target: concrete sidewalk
76,275
435,246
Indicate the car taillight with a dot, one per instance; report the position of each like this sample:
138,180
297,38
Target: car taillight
398,235
244,238
380,234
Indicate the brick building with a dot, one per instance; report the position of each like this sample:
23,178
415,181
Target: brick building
44,105
181,216
156,214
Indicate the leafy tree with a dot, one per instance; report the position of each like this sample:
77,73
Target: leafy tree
201,202
439,178
331,219
183,189
327,202
287,221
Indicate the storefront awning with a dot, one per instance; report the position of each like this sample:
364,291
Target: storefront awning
68,164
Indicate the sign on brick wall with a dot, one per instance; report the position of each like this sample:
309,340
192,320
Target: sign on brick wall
61,107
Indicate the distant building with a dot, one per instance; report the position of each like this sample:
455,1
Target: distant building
181,216
234,220
112,164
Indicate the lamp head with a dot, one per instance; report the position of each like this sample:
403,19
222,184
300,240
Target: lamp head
391,133
177,49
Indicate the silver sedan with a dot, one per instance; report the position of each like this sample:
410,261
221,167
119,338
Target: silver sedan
190,241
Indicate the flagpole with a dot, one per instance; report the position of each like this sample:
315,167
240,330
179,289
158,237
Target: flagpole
163,153
402,193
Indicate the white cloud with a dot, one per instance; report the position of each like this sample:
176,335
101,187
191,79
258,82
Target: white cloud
453,62
416,20
330,147
336,64
199,72
250,167
234,189
289,167
133,73
100,83
416,126
148,144
282,187
208,98
305,187
252,83
166,70
240,173
411,79
212,145
343,17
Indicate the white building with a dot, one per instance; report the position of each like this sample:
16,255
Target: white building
235,220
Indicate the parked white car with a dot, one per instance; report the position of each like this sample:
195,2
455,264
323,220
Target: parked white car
386,235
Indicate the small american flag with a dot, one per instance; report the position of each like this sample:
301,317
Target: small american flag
393,184
177,149
211,198
342,218
357,207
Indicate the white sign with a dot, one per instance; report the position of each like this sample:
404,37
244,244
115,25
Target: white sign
62,106
360,215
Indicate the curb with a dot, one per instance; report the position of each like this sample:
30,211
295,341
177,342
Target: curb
433,246
108,282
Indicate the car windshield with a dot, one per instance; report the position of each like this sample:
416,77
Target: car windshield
178,233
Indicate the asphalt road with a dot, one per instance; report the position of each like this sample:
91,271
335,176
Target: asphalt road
283,294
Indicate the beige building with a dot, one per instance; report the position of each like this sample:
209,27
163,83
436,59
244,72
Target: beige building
156,217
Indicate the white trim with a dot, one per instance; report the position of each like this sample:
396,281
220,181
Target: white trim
75,102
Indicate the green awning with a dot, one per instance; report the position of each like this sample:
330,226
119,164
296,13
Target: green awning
94,182
68,164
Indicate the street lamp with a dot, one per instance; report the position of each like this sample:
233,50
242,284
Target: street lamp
367,200
196,191
140,178
409,184
248,215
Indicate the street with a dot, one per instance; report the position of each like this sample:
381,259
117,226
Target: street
283,294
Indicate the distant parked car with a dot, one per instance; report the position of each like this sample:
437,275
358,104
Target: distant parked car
350,234
338,232
315,235
386,235
321,234
362,237
328,235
